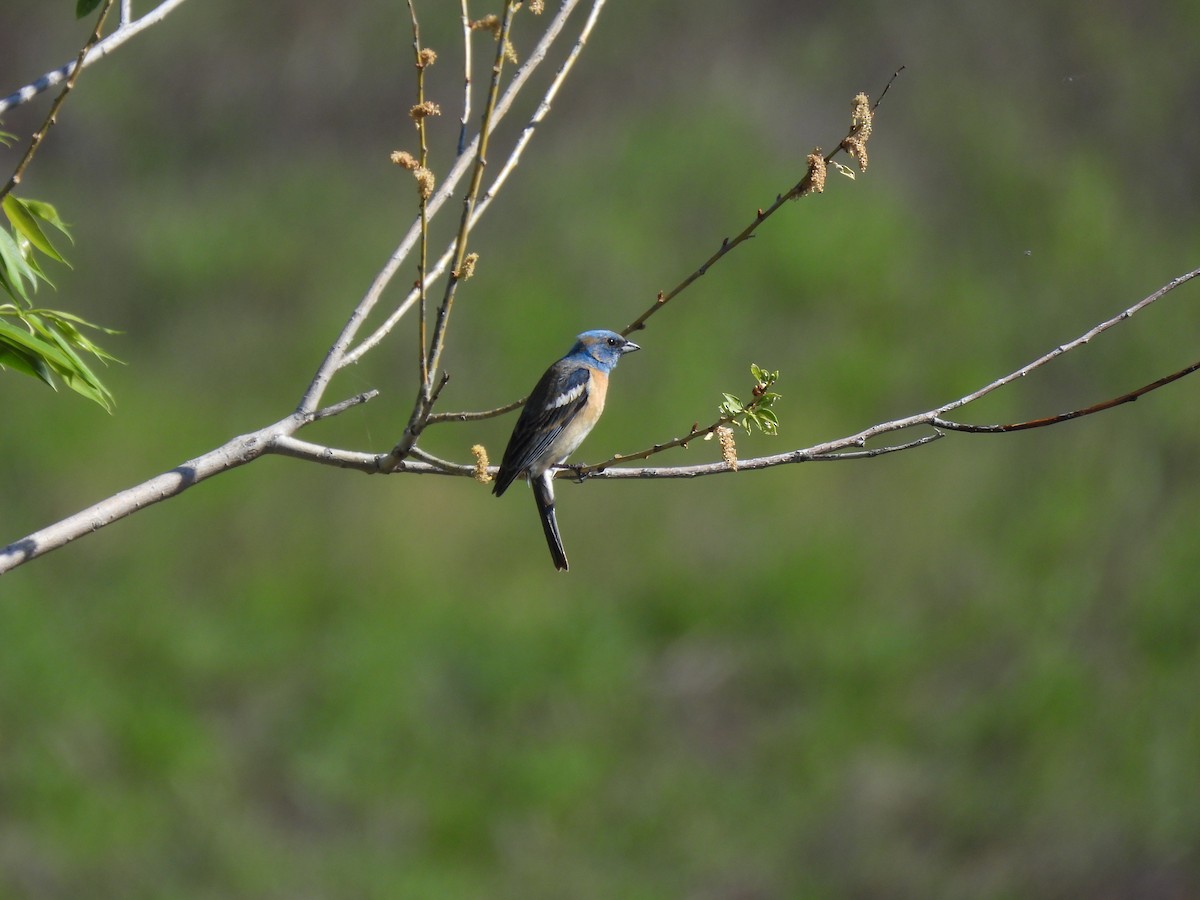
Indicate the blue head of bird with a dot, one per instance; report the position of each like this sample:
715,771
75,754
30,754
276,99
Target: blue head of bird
604,348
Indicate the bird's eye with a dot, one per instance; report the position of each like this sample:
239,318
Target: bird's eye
612,342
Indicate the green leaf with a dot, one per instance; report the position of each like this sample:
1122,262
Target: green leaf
64,322
26,362
20,338
85,7
25,222
98,393
76,373
62,317
14,268
48,214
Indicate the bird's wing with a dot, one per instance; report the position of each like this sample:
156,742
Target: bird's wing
557,399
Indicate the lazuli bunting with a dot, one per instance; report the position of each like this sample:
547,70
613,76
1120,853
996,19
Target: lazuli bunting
558,415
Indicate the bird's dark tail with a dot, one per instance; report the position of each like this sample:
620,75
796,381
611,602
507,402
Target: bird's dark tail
543,495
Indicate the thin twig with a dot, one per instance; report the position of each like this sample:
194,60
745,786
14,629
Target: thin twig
287,445
112,42
339,354
874,451
934,418
423,211
493,189
1067,416
1068,347
438,418
52,116
697,433
821,453
887,87
338,408
423,405
450,468
466,110
438,341
802,188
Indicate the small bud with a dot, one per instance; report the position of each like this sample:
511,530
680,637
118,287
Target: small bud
816,171
487,23
425,182
536,7
468,266
855,142
510,53
728,448
861,117
481,464
426,58
857,148
404,159
421,110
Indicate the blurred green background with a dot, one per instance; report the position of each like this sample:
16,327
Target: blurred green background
971,670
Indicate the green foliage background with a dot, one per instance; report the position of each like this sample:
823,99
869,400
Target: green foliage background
969,670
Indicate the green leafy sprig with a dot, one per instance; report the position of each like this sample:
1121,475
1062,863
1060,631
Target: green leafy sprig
757,413
47,344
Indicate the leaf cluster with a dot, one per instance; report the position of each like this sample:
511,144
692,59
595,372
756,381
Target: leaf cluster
757,413
47,344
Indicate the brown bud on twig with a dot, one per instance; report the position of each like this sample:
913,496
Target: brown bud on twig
816,171
481,464
421,110
487,23
425,182
728,447
855,143
468,266
404,159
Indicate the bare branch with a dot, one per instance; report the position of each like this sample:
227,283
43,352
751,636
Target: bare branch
447,467
535,59
802,188
438,341
52,116
475,416
1074,414
338,408
820,453
466,110
834,450
338,354
287,445
423,199
237,452
1068,347
240,450
128,29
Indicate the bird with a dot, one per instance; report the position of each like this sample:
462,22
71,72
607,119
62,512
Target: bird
562,408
